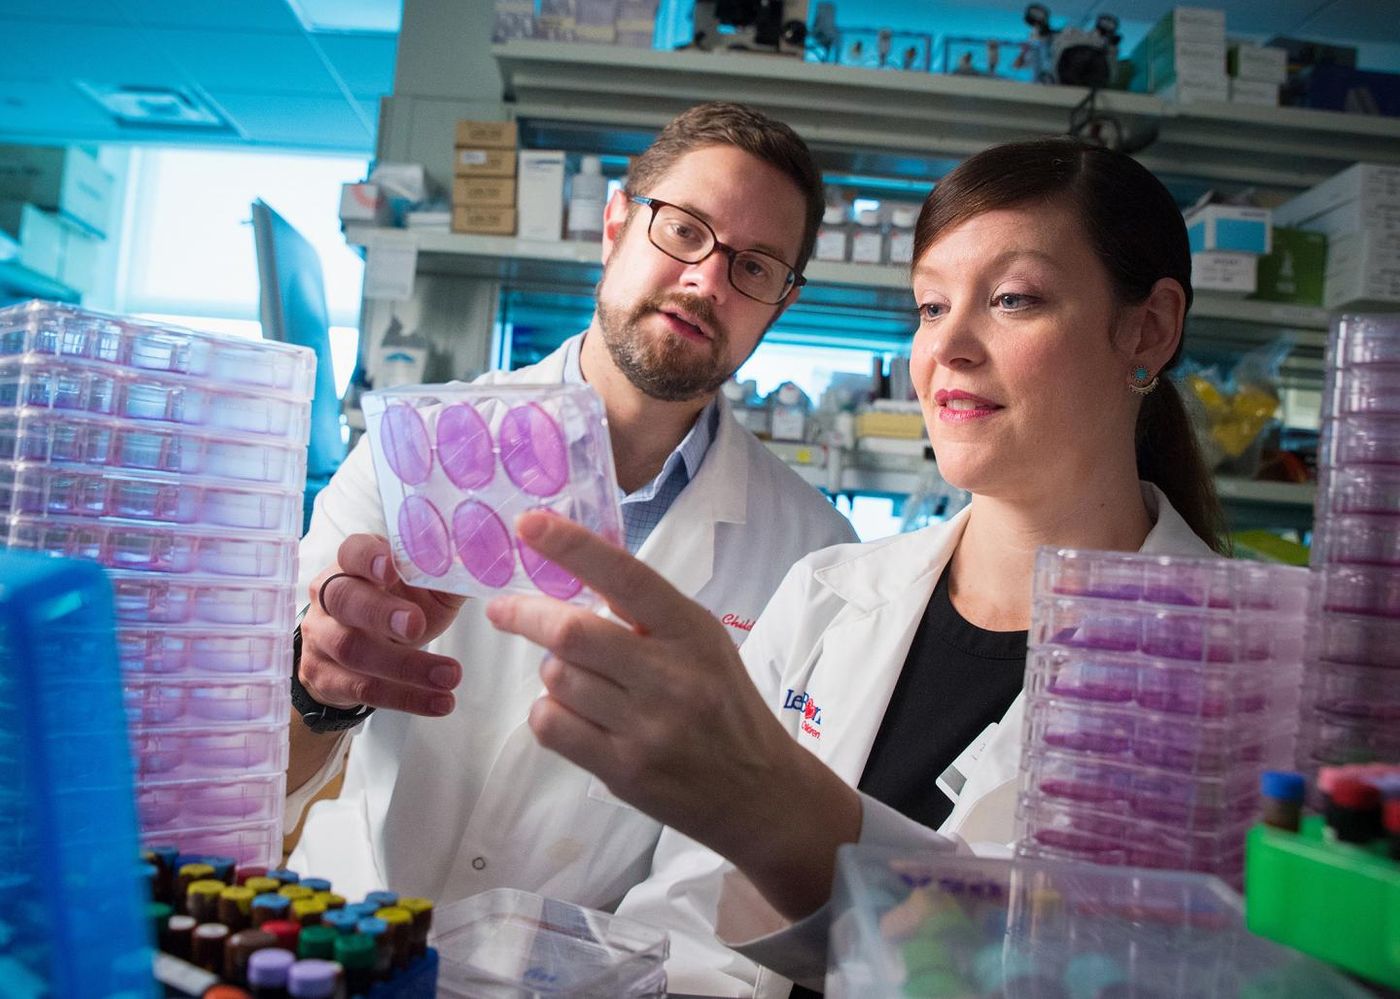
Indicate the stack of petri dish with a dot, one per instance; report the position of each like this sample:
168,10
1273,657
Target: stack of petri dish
1352,680
177,460
1158,688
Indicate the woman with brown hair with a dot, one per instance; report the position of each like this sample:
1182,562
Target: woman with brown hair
878,698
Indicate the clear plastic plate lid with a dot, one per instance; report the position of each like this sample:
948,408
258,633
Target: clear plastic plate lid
508,944
456,464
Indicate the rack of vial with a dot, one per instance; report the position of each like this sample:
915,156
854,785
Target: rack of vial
1157,690
177,460
457,464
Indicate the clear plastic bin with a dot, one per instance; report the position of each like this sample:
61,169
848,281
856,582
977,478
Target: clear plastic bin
149,599
1128,733
1358,489
1173,581
1054,827
64,331
908,924
165,754
510,944
1349,589
103,391
1192,800
176,652
1327,738
137,547
1357,539
457,464
205,702
1360,440
1356,640
204,804
69,491
252,843
45,436
1364,339
1165,685
1362,692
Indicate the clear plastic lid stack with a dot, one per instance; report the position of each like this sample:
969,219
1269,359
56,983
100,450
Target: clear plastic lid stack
1352,682
931,925
1157,689
177,460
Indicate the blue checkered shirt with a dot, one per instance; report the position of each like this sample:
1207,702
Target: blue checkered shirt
642,510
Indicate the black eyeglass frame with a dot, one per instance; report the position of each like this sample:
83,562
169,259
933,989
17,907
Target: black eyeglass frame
796,280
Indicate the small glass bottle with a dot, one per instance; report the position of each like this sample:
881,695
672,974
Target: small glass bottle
900,241
834,234
867,242
588,196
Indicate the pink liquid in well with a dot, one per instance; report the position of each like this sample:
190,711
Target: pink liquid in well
424,536
548,576
533,450
464,447
406,446
483,543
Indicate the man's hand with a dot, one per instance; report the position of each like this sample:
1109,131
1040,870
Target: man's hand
361,640
662,709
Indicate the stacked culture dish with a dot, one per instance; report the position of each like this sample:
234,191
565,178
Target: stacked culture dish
176,460
1158,688
1352,681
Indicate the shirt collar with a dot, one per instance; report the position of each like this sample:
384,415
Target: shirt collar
691,450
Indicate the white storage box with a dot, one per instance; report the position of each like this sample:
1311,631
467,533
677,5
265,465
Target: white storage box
1232,228
1216,271
1375,187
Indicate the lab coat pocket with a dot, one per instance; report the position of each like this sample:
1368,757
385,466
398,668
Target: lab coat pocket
598,791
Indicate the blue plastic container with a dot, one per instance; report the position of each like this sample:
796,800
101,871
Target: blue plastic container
72,919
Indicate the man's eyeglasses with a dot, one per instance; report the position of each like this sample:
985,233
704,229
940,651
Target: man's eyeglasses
681,236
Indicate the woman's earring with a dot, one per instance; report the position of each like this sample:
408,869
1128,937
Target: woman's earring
1142,381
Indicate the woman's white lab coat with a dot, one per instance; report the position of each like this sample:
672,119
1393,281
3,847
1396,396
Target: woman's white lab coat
826,654
448,807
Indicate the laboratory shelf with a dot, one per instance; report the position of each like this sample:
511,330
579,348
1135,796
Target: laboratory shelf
925,115
564,263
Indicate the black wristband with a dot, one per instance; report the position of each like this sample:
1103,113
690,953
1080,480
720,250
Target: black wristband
316,716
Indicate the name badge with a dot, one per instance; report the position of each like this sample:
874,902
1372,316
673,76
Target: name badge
952,780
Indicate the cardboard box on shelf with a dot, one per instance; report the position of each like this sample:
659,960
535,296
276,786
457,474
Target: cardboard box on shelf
1254,92
483,162
484,192
1348,218
556,20
1295,270
79,267
540,194
41,235
1234,228
1374,186
1195,91
487,134
1261,63
1216,271
1365,252
1187,45
489,221
595,21
69,181
1356,288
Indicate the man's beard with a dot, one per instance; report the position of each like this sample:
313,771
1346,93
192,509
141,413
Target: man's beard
662,366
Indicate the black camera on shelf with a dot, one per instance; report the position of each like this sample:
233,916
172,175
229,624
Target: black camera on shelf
1075,57
758,26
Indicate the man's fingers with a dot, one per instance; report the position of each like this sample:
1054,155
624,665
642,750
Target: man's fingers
586,693
383,676
635,591
368,556
570,632
361,603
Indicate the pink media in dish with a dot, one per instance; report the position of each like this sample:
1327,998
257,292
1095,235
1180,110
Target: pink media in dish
407,448
424,536
547,575
533,450
483,543
464,447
